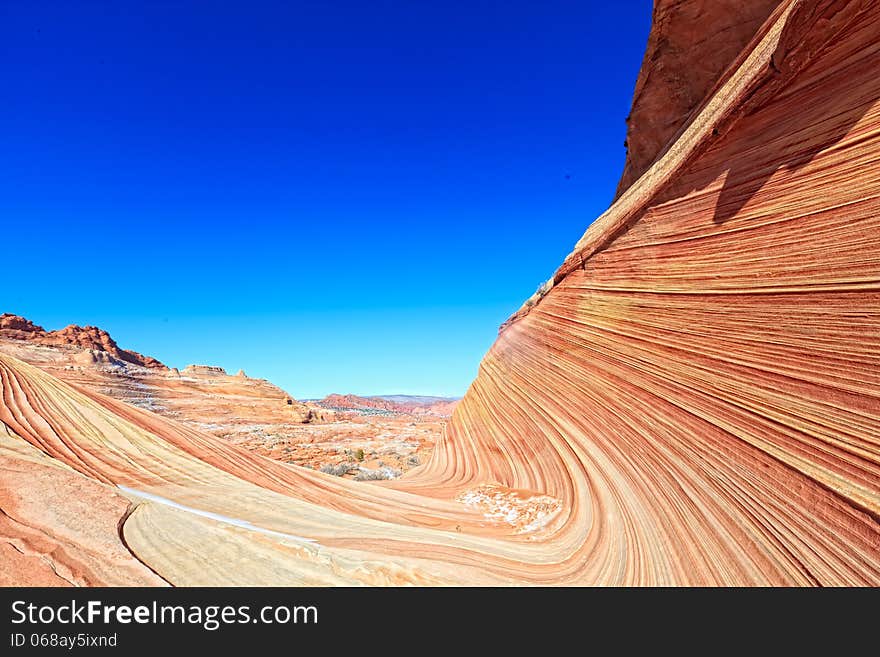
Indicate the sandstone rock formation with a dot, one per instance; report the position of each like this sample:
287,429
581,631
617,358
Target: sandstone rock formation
202,395
19,328
691,46
354,402
203,370
84,337
709,351
693,397
91,337
59,527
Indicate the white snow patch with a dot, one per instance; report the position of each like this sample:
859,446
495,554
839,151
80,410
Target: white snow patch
214,516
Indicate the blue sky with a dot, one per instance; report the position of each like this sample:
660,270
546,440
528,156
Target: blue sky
336,196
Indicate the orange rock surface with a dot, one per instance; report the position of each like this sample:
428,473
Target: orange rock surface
691,45
85,337
252,413
693,398
58,527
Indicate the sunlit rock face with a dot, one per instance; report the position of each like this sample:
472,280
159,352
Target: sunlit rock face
692,398
691,45
701,382
90,338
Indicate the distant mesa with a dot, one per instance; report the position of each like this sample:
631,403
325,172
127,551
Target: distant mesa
355,402
204,370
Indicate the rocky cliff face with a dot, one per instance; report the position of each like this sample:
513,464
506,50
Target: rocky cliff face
84,337
19,328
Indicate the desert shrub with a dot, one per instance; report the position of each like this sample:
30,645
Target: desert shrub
337,469
365,474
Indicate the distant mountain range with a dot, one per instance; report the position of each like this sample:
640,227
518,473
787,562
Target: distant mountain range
391,404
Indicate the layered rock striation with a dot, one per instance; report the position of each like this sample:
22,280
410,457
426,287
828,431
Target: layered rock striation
692,399
391,404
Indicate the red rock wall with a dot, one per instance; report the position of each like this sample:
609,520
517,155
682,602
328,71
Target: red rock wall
692,43
702,388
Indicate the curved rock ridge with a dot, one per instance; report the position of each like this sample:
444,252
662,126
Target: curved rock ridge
795,35
285,524
693,399
710,348
74,539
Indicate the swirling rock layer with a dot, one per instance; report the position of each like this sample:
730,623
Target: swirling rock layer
693,398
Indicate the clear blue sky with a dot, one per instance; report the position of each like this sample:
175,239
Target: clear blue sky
337,196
